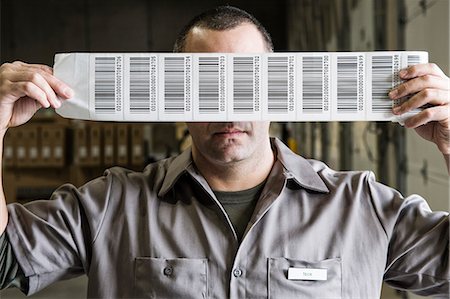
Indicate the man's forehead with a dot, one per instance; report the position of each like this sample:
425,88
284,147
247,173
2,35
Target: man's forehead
244,38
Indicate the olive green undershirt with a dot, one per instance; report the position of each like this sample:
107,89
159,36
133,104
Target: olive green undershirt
239,206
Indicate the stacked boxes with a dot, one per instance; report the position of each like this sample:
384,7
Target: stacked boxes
108,144
35,145
85,144
40,156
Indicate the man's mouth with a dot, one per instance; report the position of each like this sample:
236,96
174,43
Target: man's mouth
229,133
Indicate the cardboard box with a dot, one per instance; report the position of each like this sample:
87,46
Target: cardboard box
109,147
52,140
9,149
27,149
58,138
94,142
137,145
33,147
122,144
80,149
46,145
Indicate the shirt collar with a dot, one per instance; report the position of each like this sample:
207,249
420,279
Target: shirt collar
295,167
178,166
298,168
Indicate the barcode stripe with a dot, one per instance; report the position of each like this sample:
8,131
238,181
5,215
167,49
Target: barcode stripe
413,59
243,84
208,77
347,84
382,82
277,84
139,84
105,84
312,92
174,84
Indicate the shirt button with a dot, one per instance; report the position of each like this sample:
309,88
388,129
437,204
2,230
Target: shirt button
237,272
168,271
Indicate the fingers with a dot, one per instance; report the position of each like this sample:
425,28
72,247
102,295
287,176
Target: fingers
59,86
38,80
41,76
438,113
421,70
428,85
22,89
41,67
427,96
417,84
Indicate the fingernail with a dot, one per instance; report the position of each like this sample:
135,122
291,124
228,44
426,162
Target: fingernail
69,93
403,73
393,93
58,103
397,109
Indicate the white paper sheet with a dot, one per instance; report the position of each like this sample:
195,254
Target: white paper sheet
161,87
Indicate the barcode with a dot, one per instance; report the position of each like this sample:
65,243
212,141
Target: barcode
347,83
243,84
208,77
105,84
153,83
413,59
312,94
228,87
382,77
174,84
277,84
140,84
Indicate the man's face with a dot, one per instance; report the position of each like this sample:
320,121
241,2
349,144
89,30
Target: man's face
224,143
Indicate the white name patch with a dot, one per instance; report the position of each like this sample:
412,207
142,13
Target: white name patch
307,274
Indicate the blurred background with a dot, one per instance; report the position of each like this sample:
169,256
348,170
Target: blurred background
49,151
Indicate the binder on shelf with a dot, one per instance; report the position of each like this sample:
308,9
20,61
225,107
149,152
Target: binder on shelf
94,157
137,146
122,144
80,146
46,145
57,142
32,154
108,145
9,149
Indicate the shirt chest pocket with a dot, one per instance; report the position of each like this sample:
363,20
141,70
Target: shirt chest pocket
170,278
320,279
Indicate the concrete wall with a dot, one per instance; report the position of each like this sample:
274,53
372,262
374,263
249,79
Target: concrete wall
427,173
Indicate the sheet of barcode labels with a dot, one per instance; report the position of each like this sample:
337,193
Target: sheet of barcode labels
290,86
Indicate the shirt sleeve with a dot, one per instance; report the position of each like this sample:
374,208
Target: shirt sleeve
11,274
418,251
52,239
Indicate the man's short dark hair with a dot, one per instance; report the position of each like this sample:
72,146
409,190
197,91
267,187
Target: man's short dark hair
221,18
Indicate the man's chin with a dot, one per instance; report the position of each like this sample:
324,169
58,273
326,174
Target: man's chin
229,154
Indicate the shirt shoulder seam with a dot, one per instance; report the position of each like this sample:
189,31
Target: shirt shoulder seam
97,233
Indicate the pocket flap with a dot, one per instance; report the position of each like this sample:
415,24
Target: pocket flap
171,278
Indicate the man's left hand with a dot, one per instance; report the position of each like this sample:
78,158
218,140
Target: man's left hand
430,88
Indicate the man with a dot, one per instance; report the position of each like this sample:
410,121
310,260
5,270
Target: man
234,217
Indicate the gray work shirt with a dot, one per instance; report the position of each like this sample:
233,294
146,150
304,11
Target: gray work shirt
161,233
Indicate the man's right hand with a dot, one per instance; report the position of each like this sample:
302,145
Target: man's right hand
24,89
